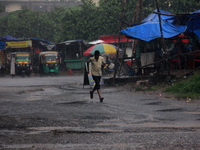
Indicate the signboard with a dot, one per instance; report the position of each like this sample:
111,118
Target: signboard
19,44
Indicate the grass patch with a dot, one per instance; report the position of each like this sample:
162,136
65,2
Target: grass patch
139,88
152,88
186,88
145,88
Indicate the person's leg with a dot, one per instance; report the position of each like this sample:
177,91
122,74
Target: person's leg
98,88
99,93
92,92
95,87
100,97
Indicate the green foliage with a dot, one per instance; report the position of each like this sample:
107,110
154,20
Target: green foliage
186,88
1,8
111,16
86,21
139,88
81,23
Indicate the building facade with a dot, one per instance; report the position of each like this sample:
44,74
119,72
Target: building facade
43,5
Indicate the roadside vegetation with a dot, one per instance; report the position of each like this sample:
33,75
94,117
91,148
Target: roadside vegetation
146,88
186,88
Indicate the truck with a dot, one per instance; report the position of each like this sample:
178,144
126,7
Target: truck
49,62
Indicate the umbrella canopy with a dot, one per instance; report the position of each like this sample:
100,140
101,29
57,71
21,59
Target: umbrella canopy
102,48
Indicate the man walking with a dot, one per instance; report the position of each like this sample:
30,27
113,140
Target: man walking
96,63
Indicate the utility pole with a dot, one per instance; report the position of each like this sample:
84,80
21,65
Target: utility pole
139,4
117,55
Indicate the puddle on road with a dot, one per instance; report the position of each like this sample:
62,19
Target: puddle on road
81,90
171,110
154,103
147,99
39,93
74,103
59,130
31,90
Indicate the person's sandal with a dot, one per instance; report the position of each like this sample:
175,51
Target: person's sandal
91,95
101,99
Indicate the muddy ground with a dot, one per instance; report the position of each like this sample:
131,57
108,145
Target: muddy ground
55,113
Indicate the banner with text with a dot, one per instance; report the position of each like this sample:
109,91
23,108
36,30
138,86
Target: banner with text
19,44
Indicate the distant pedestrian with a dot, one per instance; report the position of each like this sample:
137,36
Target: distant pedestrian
97,62
12,65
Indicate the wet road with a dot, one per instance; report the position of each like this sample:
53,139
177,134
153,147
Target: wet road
56,113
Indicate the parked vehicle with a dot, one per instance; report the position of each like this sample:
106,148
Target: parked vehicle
49,62
22,62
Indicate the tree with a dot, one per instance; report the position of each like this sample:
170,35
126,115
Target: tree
110,13
86,21
81,23
1,8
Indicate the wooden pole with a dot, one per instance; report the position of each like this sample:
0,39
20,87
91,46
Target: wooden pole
162,38
135,15
135,18
122,60
160,23
117,55
141,7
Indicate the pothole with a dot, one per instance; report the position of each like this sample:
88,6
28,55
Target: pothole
154,103
33,90
74,103
72,130
171,110
147,99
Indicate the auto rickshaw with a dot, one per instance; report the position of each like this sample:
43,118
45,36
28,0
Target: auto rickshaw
22,62
49,62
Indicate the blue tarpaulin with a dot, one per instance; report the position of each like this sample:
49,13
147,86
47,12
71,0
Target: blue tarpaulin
149,29
2,45
9,38
193,24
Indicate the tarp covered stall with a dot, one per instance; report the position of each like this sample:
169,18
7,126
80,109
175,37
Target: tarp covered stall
42,45
114,39
192,21
39,45
176,28
149,29
71,53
